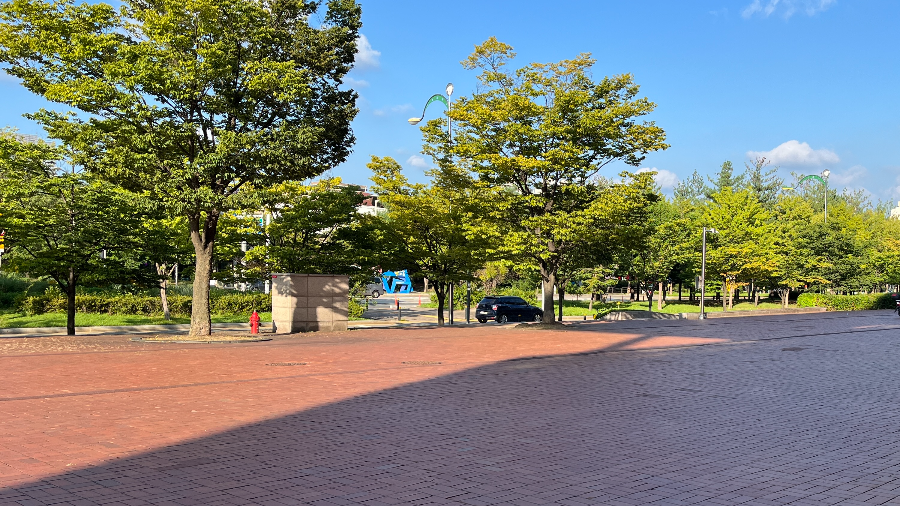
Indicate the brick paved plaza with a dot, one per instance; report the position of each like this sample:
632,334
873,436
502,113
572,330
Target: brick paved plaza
800,410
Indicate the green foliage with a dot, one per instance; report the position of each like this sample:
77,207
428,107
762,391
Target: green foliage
433,227
355,309
860,302
127,304
317,230
14,288
744,247
189,101
530,141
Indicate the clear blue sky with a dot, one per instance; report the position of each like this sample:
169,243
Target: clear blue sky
729,77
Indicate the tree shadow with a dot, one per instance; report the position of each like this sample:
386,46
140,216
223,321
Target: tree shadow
584,427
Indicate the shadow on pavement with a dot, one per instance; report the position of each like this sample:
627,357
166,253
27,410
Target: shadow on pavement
570,429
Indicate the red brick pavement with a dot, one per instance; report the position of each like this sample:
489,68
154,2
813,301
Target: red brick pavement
785,410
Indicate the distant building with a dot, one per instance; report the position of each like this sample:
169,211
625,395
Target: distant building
895,212
29,139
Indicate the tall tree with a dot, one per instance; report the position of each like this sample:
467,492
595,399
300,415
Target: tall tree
440,234
316,229
725,178
535,137
692,190
64,224
191,100
763,181
744,247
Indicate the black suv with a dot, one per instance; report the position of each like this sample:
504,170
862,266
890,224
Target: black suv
507,309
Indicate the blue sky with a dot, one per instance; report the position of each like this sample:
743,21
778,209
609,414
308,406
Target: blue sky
811,83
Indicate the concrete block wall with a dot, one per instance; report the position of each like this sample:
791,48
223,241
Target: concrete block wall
309,302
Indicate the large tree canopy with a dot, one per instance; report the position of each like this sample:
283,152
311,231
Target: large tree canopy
191,100
535,137
67,225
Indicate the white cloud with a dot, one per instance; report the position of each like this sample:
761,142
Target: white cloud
366,57
786,8
795,153
397,109
848,176
418,162
356,83
664,178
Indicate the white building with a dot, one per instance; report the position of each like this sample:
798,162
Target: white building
895,212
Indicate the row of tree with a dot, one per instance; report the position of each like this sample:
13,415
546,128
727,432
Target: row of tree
193,126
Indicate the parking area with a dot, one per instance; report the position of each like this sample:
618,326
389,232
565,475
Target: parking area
794,409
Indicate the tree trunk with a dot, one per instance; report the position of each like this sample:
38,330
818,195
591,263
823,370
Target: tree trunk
679,292
562,298
548,281
70,303
662,296
650,300
591,303
440,292
164,290
204,240
164,298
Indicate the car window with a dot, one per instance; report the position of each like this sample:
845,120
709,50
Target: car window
519,302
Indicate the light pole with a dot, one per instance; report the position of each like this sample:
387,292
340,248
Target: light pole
703,273
415,121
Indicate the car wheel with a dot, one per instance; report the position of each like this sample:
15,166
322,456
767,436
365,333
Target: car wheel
482,320
502,319
376,294
538,317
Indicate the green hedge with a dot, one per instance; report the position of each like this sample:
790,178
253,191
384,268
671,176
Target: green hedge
846,302
179,305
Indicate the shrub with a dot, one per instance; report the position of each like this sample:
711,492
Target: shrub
846,302
355,309
179,305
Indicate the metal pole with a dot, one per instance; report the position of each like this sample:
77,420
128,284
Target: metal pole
451,304
703,277
826,203
468,301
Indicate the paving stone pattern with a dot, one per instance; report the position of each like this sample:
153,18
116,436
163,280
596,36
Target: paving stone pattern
801,410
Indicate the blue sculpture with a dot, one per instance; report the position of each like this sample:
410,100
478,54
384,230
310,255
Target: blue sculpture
396,282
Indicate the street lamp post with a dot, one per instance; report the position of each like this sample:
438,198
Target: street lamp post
703,273
415,121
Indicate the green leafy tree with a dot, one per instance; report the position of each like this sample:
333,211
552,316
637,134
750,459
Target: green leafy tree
725,178
798,265
164,243
763,182
439,233
743,249
661,246
189,100
316,229
68,226
533,139
692,190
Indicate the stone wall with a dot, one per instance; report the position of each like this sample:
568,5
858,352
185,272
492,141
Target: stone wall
309,302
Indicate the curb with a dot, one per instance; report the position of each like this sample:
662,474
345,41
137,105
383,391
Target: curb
110,329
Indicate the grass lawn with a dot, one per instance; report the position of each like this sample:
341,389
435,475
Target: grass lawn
676,307
580,308
11,319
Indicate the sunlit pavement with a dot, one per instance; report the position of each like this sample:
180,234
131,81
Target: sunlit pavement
799,409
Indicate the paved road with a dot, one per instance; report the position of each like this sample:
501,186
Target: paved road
799,409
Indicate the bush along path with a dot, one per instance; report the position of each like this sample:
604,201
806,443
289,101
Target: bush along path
179,305
847,302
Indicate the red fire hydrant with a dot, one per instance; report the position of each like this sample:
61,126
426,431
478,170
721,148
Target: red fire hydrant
254,323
